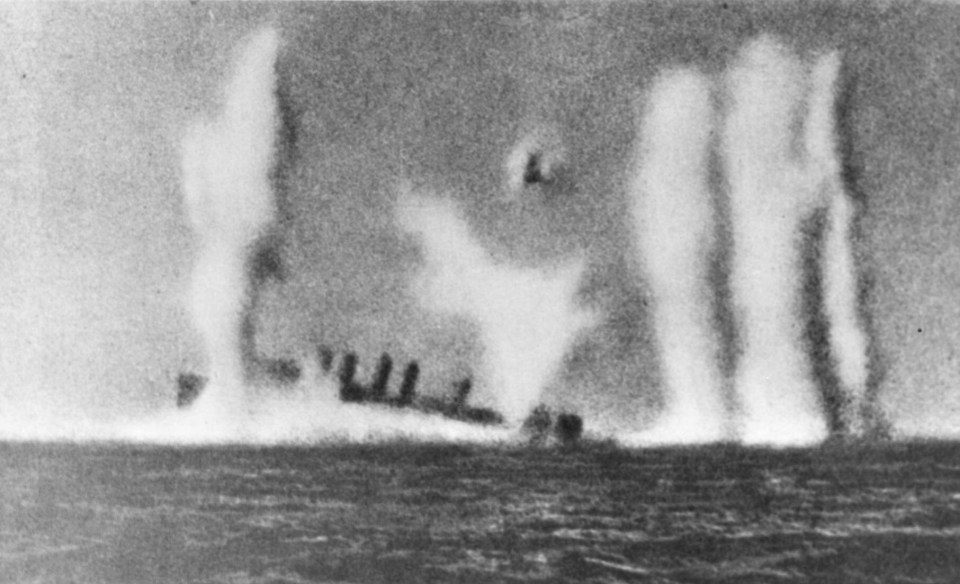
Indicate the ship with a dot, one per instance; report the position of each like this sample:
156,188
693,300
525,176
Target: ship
540,426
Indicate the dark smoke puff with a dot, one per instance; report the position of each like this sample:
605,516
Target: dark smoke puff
463,388
266,261
326,358
189,386
537,425
285,371
536,159
569,428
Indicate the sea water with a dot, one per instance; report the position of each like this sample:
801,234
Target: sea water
414,512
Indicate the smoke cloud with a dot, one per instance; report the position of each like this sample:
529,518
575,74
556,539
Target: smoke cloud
227,163
675,230
771,193
527,316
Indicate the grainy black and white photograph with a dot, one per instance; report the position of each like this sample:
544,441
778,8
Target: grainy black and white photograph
649,291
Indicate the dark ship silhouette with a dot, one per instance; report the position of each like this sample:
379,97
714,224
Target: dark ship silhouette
539,425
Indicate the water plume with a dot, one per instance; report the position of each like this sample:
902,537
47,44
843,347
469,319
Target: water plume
848,339
675,230
227,166
771,193
527,317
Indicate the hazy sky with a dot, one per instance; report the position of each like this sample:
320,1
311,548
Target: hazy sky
96,251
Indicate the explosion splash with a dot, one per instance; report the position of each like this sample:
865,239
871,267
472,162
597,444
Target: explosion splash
227,163
848,339
527,316
676,232
772,191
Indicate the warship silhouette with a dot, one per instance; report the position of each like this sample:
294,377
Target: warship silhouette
539,426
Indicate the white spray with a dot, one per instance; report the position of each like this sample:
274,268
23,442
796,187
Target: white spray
226,173
848,340
527,316
676,232
771,193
